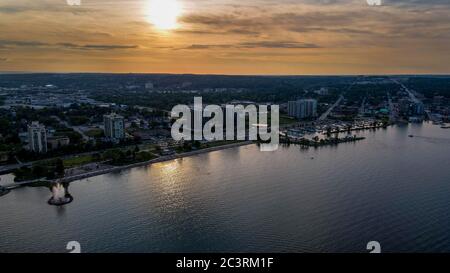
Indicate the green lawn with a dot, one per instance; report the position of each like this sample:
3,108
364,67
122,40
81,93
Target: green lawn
218,143
286,120
94,133
77,161
148,147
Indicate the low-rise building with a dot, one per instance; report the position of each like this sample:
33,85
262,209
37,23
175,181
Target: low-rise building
56,142
322,91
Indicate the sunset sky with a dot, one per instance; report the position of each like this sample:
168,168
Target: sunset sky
226,36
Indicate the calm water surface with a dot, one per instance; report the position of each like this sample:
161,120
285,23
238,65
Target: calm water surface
390,188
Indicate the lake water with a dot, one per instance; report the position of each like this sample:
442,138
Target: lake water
388,188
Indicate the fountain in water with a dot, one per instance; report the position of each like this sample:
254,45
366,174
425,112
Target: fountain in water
60,196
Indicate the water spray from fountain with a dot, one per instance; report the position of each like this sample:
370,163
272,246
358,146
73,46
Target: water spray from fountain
60,195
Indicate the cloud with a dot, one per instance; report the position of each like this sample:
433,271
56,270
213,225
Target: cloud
38,6
199,46
341,19
277,44
400,32
237,31
262,44
96,47
7,43
12,9
13,43
221,21
325,21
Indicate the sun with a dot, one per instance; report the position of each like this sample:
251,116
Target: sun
163,14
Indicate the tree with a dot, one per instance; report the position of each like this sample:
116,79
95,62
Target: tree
50,175
38,171
197,144
59,167
96,157
328,131
158,149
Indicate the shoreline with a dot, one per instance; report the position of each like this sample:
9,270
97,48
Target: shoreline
131,166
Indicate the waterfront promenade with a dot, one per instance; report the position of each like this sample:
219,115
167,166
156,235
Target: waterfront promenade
72,178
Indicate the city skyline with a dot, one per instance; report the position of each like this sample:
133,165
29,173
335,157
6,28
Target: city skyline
258,37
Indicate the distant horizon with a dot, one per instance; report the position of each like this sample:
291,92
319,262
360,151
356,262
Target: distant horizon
237,75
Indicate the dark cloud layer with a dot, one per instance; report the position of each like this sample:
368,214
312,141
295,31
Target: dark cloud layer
262,44
39,6
13,43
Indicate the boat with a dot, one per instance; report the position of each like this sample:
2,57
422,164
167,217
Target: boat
411,136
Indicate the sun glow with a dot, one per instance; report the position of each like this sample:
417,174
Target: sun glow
163,14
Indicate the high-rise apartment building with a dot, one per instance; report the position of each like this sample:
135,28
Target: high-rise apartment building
37,137
114,126
306,108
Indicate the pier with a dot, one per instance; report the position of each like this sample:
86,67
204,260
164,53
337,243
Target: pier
359,128
318,143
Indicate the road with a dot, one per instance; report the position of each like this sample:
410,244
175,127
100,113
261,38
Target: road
10,168
411,94
392,111
325,115
362,107
75,128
